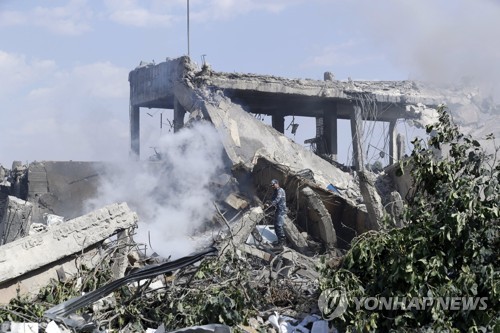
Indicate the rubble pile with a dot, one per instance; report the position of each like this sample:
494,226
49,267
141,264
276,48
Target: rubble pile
241,280
245,280
66,269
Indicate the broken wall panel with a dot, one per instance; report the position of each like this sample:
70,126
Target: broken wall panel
401,179
62,188
16,219
152,85
30,283
241,229
245,138
318,220
344,219
349,219
62,240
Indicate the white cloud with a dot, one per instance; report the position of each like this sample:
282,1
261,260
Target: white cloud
340,55
229,9
103,80
438,40
16,71
155,13
70,19
140,17
54,114
9,18
131,12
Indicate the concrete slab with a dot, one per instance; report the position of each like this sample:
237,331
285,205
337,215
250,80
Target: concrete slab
32,252
253,139
236,202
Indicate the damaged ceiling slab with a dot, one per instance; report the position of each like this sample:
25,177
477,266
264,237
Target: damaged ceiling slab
225,98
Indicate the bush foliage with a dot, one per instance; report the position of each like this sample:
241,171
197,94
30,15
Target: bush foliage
450,247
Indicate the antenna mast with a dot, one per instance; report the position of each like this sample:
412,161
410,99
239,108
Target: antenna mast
188,25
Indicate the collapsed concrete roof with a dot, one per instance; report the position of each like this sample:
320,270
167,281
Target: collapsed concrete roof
245,138
164,85
152,86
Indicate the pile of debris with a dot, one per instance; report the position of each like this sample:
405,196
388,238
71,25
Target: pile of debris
63,269
113,284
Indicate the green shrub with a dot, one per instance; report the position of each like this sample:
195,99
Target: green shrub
449,249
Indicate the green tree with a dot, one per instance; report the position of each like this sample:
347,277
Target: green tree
449,249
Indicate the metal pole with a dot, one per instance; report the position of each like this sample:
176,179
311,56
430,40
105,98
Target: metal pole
188,25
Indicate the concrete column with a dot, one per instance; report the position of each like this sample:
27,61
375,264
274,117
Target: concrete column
330,131
393,149
279,123
135,133
400,143
179,113
320,142
356,122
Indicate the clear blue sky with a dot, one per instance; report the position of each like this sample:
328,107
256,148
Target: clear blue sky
64,63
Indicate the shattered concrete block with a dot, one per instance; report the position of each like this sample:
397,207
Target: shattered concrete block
396,208
298,241
19,180
62,240
5,327
104,303
322,221
328,76
241,229
120,258
372,200
236,202
52,219
16,220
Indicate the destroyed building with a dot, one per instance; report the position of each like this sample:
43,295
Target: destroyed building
329,204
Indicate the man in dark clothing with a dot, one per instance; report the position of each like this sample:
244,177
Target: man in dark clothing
279,202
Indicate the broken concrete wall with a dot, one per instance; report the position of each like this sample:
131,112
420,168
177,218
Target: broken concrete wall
150,84
30,283
241,229
74,236
317,218
348,218
15,219
371,199
297,239
401,179
61,188
246,138
18,180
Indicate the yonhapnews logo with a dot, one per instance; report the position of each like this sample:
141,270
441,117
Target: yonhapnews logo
334,302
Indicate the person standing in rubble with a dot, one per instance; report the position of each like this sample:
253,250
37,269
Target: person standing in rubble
279,202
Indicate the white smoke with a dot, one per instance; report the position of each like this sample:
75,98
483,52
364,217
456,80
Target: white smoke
171,196
443,41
